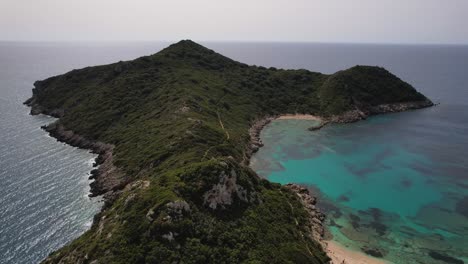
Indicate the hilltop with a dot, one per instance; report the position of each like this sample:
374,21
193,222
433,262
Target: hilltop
172,131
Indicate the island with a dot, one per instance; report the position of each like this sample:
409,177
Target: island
174,133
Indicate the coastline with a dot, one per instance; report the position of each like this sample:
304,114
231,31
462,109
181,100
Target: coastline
299,117
108,179
337,253
121,104
340,254
346,117
257,126
255,142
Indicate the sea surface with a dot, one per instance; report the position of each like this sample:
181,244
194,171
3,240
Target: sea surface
395,182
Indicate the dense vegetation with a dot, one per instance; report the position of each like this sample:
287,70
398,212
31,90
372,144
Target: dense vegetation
179,121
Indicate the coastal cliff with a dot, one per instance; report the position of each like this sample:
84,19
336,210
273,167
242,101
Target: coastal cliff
174,132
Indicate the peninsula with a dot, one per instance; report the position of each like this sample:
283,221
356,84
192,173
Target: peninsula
175,131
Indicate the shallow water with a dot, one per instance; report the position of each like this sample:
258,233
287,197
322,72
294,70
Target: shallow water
395,183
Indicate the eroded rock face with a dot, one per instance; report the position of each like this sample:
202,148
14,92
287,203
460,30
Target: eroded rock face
316,217
107,177
173,211
223,194
150,215
178,209
169,236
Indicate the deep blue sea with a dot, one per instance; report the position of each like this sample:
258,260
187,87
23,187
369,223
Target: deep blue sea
396,182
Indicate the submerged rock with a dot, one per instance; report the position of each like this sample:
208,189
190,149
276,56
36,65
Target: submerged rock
445,258
462,206
374,252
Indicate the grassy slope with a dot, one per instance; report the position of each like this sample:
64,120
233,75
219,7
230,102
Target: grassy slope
163,114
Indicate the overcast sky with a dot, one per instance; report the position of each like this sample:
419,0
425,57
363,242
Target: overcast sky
376,21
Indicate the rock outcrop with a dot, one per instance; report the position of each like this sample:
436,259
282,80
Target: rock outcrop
107,177
364,112
178,209
255,141
224,193
358,114
316,217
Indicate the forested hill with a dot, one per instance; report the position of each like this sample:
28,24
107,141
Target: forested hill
174,129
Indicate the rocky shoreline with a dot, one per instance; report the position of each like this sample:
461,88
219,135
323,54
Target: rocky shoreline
108,179
255,142
347,117
316,217
358,115
365,112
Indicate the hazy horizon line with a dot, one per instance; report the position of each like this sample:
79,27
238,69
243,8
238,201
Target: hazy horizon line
239,41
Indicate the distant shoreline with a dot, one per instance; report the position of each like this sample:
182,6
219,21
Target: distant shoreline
299,117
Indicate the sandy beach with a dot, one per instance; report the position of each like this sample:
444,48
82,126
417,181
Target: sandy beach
300,117
342,255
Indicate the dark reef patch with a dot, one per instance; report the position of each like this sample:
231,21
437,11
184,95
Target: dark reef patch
380,228
337,214
440,208
330,209
421,168
376,222
376,214
361,173
355,221
445,258
381,156
374,252
333,223
343,198
294,152
406,183
462,206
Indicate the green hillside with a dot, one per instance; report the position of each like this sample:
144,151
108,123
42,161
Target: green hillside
178,121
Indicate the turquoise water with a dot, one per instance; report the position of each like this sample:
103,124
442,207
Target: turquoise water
392,183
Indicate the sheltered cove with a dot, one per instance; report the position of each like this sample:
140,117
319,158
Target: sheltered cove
337,253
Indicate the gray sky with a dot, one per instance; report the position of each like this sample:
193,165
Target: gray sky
389,21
